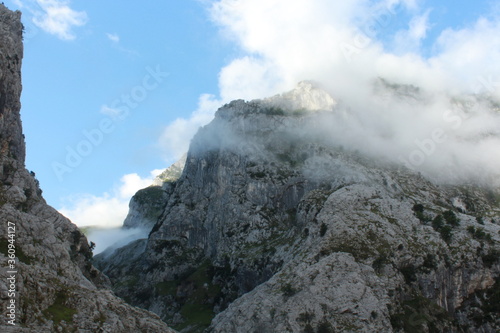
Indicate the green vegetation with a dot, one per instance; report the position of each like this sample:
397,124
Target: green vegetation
257,174
306,317
59,311
197,307
451,218
198,317
325,327
167,288
360,250
149,194
429,263
491,303
419,211
288,290
299,112
419,313
20,255
446,231
274,111
287,158
485,304
380,262
322,229
101,319
438,222
479,234
409,273
308,328
491,258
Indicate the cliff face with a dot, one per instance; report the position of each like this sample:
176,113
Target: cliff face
148,204
274,228
56,287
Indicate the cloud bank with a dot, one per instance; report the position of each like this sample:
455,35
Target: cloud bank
347,46
109,209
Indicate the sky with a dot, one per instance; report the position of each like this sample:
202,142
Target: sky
114,91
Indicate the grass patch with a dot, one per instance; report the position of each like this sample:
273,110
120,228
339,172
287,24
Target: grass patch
198,317
149,194
20,255
167,288
59,311
197,307
479,234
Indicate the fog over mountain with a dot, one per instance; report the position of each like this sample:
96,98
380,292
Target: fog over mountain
428,104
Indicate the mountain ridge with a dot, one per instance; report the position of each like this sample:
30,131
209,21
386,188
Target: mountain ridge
273,227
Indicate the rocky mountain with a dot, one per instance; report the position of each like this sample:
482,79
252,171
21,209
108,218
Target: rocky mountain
273,227
51,285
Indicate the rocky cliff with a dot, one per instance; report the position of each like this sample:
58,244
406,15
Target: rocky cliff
272,227
51,286
148,204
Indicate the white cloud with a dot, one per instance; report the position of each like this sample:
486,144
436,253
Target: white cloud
109,209
339,44
175,138
410,40
113,37
470,52
114,237
57,18
19,3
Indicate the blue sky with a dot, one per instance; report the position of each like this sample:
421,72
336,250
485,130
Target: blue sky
66,83
126,84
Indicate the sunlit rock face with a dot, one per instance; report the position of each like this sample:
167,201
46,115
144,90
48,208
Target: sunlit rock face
273,226
56,287
305,96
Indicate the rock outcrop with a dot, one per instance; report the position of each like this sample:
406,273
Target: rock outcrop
272,227
52,283
148,204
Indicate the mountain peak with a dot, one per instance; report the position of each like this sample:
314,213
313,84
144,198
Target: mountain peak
305,96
